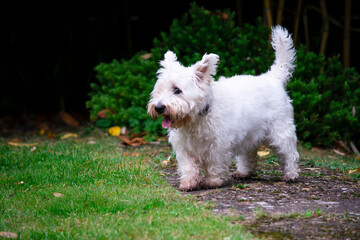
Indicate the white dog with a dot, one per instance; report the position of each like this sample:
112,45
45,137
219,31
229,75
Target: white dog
211,122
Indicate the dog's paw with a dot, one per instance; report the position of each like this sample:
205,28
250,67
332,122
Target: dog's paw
189,184
212,182
241,175
291,176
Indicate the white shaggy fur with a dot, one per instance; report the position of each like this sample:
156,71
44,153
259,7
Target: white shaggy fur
212,122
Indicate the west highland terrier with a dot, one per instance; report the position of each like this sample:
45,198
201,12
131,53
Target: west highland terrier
211,122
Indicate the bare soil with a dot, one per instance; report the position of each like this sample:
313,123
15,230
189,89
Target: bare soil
321,204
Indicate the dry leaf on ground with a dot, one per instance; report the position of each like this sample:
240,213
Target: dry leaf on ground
69,135
338,152
166,162
68,119
58,195
8,235
354,171
132,154
19,144
132,142
263,153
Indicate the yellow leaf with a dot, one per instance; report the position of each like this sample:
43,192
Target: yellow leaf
115,131
354,171
69,135
166,162
42,131
263,153
56,194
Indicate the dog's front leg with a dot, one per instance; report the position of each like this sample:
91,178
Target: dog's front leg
188,167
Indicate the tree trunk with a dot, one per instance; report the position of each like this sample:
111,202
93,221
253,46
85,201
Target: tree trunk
347,25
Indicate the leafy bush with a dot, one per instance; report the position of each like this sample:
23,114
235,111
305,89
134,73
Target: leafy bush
124,89
326,99
323,93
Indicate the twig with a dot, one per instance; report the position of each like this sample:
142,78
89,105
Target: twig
355,150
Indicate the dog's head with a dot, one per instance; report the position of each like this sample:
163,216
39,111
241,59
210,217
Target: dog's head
181,92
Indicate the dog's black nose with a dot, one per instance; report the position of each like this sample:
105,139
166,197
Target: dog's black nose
160,108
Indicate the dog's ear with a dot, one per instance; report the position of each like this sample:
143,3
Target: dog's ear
207,66
169,57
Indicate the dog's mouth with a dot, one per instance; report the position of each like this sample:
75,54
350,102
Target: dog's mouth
166,123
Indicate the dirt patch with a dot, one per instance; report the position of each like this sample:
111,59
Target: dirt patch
322,204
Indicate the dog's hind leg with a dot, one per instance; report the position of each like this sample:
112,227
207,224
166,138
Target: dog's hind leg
282,139
246,164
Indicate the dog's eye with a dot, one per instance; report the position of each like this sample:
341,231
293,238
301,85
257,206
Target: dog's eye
177,91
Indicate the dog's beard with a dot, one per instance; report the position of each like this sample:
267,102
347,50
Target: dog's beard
171,118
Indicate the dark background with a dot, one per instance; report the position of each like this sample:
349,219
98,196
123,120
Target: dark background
49,49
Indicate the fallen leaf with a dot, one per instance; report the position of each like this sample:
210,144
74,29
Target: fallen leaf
58,195
8,235
305,189
150,219
69,135
338,152
68,119
91,142
166,162
134,142
115,131
354,171
15,140
262,147
146,56
263,153
139,141
103,113
19,183
132,154
50,135
18,144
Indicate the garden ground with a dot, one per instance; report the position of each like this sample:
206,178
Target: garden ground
322,204
94,187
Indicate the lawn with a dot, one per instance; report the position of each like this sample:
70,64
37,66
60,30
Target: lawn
95,189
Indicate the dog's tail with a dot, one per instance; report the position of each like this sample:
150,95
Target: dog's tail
285,54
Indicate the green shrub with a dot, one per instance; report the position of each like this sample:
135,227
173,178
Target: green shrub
323,93
124,88
324,97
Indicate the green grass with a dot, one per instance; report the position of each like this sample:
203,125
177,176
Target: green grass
106,196
328,159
